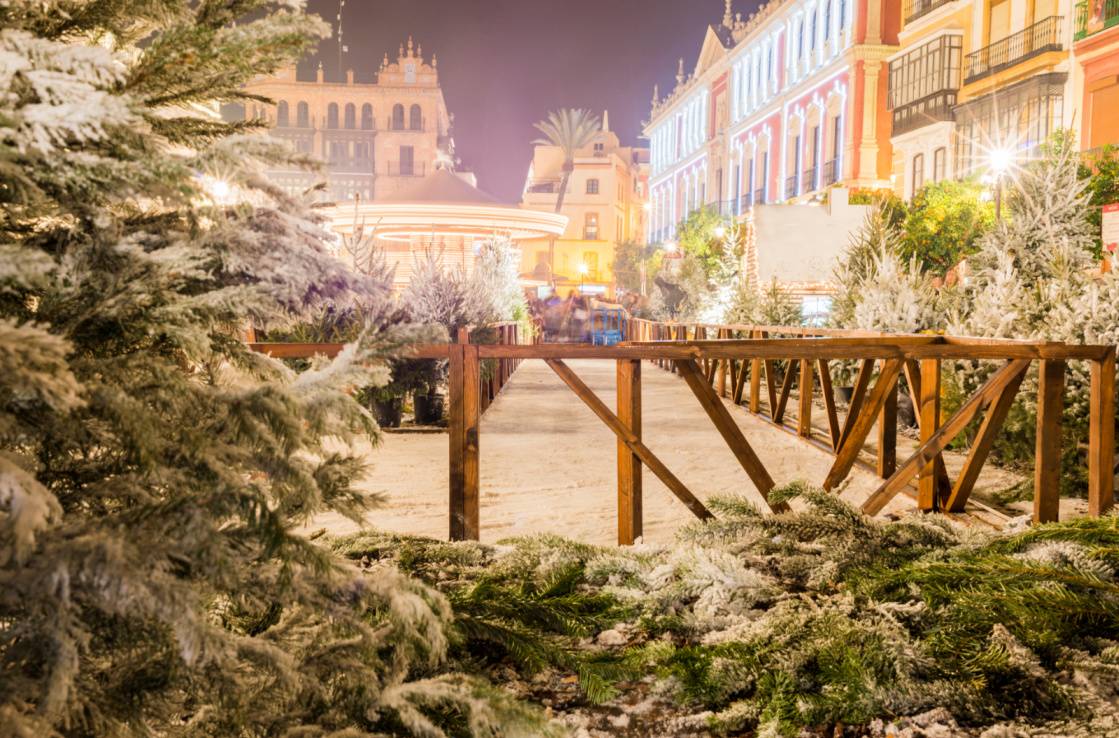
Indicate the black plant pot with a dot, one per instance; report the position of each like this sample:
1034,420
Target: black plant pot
388,412
843,394
429,408
906,416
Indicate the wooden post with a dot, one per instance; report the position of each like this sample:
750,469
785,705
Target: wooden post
464,387
930,422
629,464
888,435
1047,459
1101,436
804,391
755,379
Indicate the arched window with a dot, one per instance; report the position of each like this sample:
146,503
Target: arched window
416,118
367,117
332,115
302,115
351,116
282,114
397,117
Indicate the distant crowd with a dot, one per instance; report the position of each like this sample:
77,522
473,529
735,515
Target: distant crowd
569,319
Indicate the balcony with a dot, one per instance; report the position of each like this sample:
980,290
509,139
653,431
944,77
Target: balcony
406,169
745,202
759,196
809,178
1086,26
930,109
1039,38
831,172
791,187
545,186
914,9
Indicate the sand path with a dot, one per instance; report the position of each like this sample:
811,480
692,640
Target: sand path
548,465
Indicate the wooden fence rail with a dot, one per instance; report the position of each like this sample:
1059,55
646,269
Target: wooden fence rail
715,362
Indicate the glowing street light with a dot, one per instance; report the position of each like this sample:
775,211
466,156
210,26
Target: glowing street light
720,231
671,247
584,270
999,161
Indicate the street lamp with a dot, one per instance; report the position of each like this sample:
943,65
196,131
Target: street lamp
999,163
671,247
583,271
720,231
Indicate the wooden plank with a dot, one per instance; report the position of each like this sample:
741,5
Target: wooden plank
858,395
471,419
727,428
457,444
629,465
739,383
1047,458
863,422
829,402
648,458
929,410
1101,436
981,446
939,439
778,412
887,461
804,395
913,380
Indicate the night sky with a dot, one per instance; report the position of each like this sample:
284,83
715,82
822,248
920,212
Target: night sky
504,64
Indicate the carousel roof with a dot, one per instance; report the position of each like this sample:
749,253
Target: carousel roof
444,204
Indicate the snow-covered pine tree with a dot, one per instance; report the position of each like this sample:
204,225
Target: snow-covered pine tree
496,278
1034,278
153,470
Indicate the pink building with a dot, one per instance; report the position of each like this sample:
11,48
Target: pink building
780,107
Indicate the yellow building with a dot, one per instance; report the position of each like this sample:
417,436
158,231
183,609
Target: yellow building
973,77
376,138
604,203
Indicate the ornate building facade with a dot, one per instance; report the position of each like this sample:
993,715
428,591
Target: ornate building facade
376,138
780,107
604,204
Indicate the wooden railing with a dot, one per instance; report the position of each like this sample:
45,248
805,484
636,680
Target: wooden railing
746,364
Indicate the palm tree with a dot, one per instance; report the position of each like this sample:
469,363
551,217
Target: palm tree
570,130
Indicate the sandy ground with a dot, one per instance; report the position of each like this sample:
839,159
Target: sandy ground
548,465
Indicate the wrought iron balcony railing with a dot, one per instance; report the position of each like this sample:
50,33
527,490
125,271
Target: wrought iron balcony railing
831,172
759,196
1105,16
1045,35
929,109
808,181
791,186
406,169
914,9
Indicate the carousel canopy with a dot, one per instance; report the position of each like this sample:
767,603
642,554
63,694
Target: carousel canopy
441,205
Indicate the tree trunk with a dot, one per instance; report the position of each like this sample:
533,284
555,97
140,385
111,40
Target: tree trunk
559,208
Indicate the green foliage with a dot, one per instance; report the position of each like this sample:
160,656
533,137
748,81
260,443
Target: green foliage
1100,170
696,237
628,257
805,620
944,223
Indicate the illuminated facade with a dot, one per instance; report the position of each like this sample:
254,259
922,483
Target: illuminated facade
604,204
1096,53
980,76
780,107
377,138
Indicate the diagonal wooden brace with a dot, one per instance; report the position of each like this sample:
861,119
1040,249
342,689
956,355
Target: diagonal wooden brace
726,426
939,440
858,428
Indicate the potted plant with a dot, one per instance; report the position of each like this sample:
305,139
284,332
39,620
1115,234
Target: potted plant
427,400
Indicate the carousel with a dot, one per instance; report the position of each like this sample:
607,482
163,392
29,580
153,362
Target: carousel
441,214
